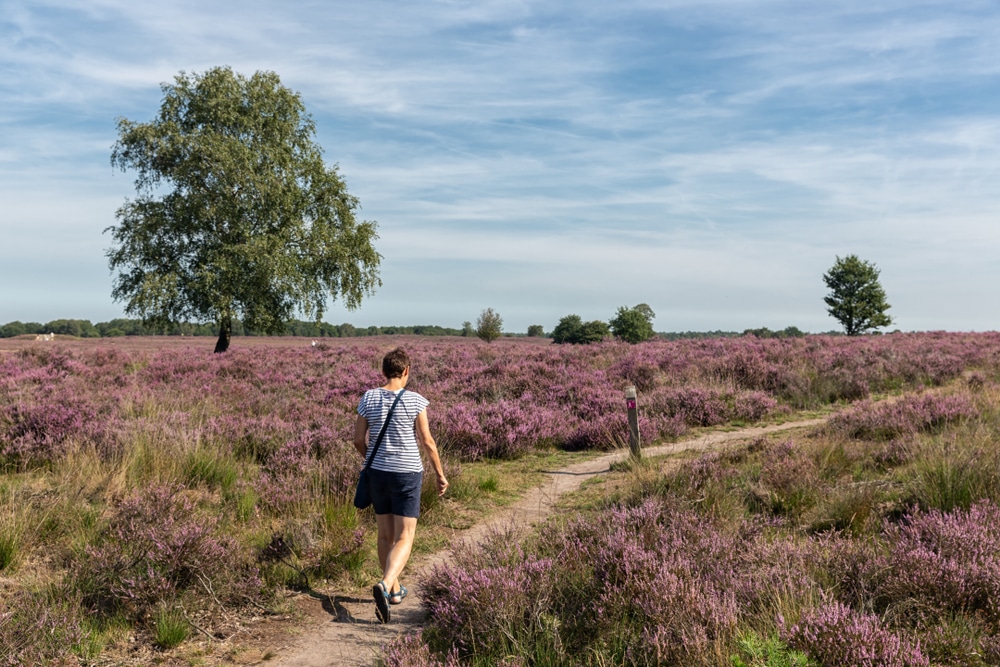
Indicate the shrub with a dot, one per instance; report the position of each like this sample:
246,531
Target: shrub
949,561
491,600
837,635
157,547
906,416
412,651
37,628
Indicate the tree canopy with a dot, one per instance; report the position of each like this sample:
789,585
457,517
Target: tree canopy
633,325
236,215
572,329
489,325
856,297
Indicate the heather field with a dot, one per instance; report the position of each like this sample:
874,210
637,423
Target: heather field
152,490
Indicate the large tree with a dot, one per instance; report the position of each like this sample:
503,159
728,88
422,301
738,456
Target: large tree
236,214
856,297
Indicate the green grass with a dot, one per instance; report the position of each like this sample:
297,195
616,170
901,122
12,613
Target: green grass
758,651
170,628
10,547
212,468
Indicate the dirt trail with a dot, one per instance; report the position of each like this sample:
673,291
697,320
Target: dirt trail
349,634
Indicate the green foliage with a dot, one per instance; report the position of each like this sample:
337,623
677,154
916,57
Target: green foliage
536,331
236,214
489,325
633,325
12,329
170,628
467,330
764,332
594,332
571,329
758,651
856,298
10,546
568,329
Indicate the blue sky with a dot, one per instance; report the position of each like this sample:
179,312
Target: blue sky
710,158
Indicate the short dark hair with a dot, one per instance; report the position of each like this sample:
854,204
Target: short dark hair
394,363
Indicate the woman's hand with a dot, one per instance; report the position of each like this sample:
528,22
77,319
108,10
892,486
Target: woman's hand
442,485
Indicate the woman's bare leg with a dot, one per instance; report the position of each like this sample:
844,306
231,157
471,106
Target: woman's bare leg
395,541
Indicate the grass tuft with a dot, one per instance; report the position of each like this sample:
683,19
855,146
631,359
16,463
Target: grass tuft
170,628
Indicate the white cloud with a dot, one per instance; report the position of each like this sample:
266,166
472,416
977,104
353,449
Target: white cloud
717,153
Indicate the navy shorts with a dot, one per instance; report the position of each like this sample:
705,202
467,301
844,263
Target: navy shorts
396,492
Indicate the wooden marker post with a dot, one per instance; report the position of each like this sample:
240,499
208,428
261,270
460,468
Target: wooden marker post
633,421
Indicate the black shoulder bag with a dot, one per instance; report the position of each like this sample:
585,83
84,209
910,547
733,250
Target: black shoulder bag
363,495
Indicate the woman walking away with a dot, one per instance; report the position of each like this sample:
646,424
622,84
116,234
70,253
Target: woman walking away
396,473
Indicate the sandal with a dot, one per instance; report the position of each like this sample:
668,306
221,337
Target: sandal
381,601
397,597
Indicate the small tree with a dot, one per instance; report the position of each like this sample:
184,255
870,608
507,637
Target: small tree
467,329
489,326
237,216
593,332
633,325
568,330
536,331
856,297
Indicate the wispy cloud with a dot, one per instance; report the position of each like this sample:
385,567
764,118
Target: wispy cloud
708,157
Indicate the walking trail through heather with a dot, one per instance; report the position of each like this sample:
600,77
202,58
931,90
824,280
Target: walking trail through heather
352,637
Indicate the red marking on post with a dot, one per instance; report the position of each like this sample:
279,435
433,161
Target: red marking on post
630,404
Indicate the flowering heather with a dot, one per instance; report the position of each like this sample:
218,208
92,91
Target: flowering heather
837,635
185,459
641,585
36,629
948,561
157,547
906,416
500,400
412,651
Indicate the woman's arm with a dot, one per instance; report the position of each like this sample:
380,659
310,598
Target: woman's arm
426,441
361,435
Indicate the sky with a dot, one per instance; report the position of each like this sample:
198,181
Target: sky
710,158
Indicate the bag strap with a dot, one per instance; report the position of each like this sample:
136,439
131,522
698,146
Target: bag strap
381,434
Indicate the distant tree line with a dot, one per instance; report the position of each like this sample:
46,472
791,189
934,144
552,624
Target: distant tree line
570,327
134,327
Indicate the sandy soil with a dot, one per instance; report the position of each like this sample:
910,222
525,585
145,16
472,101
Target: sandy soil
343,630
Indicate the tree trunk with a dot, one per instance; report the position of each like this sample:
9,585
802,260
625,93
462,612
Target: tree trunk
225,330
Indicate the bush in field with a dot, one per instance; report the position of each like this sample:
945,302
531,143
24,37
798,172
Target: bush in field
652,582
906,416
412,651
837,635
158,548
535,331
38,629
948,561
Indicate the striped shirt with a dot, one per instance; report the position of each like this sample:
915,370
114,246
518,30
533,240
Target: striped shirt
399,451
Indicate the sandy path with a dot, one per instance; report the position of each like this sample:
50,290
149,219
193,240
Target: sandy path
352,637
